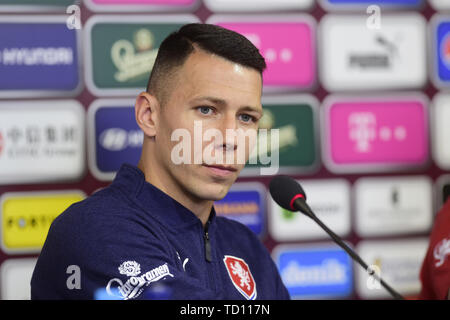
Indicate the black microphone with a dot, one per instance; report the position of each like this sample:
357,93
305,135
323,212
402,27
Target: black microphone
289,195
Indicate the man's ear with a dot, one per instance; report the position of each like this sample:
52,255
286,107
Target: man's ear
146,112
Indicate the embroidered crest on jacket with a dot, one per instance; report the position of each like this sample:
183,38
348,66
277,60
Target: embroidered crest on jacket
241,276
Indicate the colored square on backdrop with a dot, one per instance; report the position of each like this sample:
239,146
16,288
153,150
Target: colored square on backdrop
288,46
114,137
375,134
141,5
315,271
336,4
296,150
120,54
441,38
245,203
38,57
26,217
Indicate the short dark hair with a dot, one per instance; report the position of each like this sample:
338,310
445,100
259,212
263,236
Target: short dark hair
177,47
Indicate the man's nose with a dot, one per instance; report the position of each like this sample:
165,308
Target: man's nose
228,121
228,127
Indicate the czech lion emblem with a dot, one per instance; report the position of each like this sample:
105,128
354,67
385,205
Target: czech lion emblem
240,276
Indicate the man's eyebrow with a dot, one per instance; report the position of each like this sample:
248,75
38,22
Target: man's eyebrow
251,109
211,99
222,102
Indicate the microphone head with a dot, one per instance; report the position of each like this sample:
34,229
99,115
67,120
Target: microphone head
285,190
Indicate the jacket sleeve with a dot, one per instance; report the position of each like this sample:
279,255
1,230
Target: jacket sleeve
435,270
83,259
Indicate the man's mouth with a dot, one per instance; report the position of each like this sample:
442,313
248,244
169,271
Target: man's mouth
220,170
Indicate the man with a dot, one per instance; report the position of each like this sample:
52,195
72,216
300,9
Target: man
435,273
153,232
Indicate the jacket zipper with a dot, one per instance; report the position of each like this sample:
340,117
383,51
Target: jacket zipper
207,243
208,257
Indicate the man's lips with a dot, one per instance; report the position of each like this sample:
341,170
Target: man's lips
220,169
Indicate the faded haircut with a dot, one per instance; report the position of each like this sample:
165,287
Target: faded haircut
177,47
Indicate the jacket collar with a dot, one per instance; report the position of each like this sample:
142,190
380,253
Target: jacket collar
155,202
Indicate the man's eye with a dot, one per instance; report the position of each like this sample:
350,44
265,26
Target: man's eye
205,110
247,118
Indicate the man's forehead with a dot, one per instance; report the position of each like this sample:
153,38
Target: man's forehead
238,68
201,61
207,75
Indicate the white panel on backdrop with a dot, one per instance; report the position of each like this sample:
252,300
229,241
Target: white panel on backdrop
398,262
357,56
15,277
441,130
393,205
440,4
329,199
41,141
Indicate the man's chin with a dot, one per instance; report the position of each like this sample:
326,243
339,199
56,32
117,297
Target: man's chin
210,185
213,191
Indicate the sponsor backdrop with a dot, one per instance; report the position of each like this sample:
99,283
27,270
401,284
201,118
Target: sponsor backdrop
357,90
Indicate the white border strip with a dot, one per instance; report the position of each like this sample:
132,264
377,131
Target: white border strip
254,6
347,7
124,7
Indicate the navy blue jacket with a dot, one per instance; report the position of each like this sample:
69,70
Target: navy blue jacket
132,241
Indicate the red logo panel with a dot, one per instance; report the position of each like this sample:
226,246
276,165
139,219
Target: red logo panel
240,276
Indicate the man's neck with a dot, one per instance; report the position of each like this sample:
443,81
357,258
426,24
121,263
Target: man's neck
201,208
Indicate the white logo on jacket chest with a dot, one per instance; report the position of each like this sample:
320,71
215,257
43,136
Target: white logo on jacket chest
185,261
134,286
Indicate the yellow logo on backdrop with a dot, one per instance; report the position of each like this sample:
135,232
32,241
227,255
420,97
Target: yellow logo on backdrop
236,208
26,218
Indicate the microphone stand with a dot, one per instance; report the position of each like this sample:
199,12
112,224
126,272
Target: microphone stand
303,207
